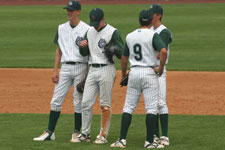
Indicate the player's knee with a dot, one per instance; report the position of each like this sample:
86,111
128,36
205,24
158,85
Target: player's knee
56,105
56,108
86,105
105,108
152,110
163,109
128,110
106,112
77,109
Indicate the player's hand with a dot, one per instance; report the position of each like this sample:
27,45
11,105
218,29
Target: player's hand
158,56
55,77
83,43
158,71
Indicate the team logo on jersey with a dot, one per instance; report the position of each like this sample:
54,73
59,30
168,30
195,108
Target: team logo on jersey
78,40
101,43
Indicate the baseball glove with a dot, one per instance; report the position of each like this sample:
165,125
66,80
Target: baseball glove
80,86
110,50
124,81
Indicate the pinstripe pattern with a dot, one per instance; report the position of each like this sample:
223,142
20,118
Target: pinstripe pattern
141,79
99,80
68,37
163,109
94,37
69,75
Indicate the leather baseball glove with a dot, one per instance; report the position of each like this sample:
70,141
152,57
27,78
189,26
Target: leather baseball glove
124,81
110,50
80,86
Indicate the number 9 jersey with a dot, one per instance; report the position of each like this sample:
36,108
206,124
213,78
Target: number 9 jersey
142,47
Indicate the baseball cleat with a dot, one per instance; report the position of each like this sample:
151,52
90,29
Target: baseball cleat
84,138
74,138
47,135
164,140
156,139
119,143
100,140
152,145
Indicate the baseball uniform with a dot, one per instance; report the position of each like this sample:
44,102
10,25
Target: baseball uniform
142,46
73,68
166,36
101,73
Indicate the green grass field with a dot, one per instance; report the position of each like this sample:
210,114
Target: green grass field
198,32
26,41
187,132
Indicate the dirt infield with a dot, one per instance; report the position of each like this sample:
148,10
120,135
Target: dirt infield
30,91
62,2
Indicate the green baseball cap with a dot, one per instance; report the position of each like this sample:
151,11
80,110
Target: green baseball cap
96,16
73,5
156,9
145,15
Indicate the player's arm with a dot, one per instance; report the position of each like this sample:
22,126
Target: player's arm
161,47
84,49
124,60
163,56
58,55
166,37
116,38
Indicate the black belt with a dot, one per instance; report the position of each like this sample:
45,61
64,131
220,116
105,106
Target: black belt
72,63
142,66
98,65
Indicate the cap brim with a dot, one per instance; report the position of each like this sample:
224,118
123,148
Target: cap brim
94,23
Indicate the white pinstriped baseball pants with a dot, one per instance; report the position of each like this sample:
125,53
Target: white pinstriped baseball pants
163,109
99,80
142,79
69,75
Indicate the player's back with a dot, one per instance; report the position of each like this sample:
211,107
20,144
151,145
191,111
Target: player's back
141,51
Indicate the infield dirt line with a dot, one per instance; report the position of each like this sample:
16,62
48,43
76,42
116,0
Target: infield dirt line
30,91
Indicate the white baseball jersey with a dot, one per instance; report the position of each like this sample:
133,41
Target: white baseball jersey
158,30
141,48
96,43
69,41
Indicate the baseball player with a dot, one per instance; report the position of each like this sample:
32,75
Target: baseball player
166,36
141,48
101,74
73,69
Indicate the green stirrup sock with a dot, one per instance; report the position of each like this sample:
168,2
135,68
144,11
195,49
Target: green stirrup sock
125,123
156,131
164,124
53,118
150,126
77,121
